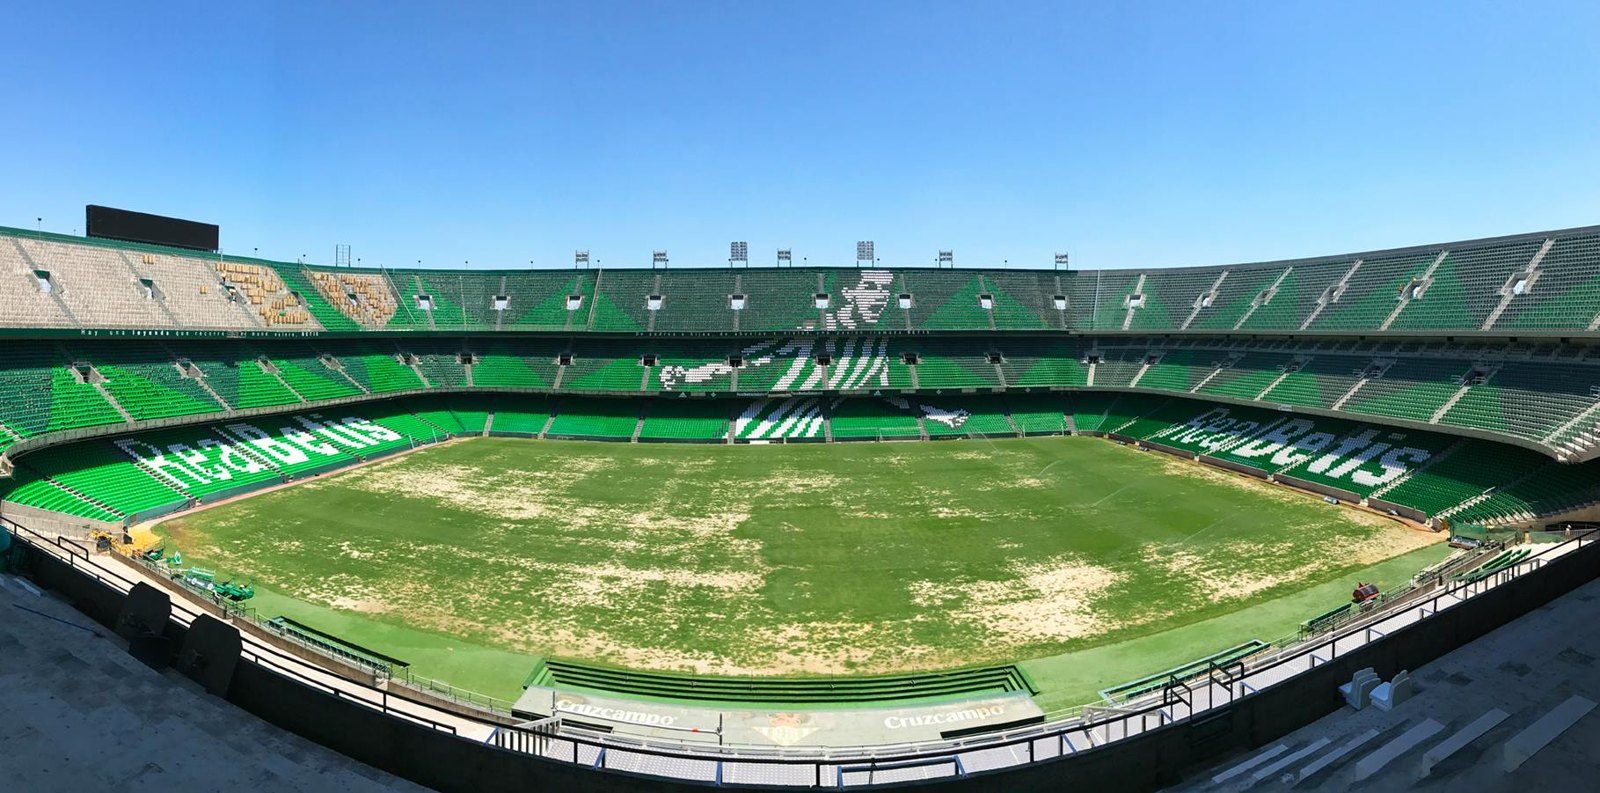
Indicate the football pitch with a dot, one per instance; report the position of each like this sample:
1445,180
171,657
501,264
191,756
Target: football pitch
1091,562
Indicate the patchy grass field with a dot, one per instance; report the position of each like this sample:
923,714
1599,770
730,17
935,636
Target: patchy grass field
473,558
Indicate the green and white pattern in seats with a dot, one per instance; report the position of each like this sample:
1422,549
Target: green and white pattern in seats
781,301
676,418
289,445
595,418
981,415
1347,455
1471,469
1360,459
198,461
99,470
414,431
772,419
690,366
783,364
1157,414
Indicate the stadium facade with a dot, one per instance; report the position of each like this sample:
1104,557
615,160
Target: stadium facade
1451,384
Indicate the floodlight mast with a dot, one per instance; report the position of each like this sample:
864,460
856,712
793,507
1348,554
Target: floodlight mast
580,259
865,252
658,259
1062,263
785,255
947,259
739,252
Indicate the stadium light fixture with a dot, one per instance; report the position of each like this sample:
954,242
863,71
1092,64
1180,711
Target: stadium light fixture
1062,262
947,258
739,252
658,258
865,252
580,259
785,255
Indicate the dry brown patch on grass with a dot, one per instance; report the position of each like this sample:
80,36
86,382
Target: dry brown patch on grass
1047,601
1224,574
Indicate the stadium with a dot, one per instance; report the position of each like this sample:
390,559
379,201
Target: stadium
795,526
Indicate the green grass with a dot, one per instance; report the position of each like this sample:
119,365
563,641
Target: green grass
1100,563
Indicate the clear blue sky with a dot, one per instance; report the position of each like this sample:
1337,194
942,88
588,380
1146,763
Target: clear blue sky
1131,134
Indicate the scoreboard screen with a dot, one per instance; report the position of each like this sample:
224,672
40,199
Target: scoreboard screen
121,224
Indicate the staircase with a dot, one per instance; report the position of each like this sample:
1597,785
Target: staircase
1405,297
1332,295
1145,367
337,366
1276,380
1200,300
101,387
1531,272
1012,422
488,422
1338,404
266,366
1138,289
1456,397
1269,293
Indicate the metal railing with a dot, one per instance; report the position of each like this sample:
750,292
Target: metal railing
1091,727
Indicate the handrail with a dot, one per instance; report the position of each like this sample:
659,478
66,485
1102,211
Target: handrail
1133,719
